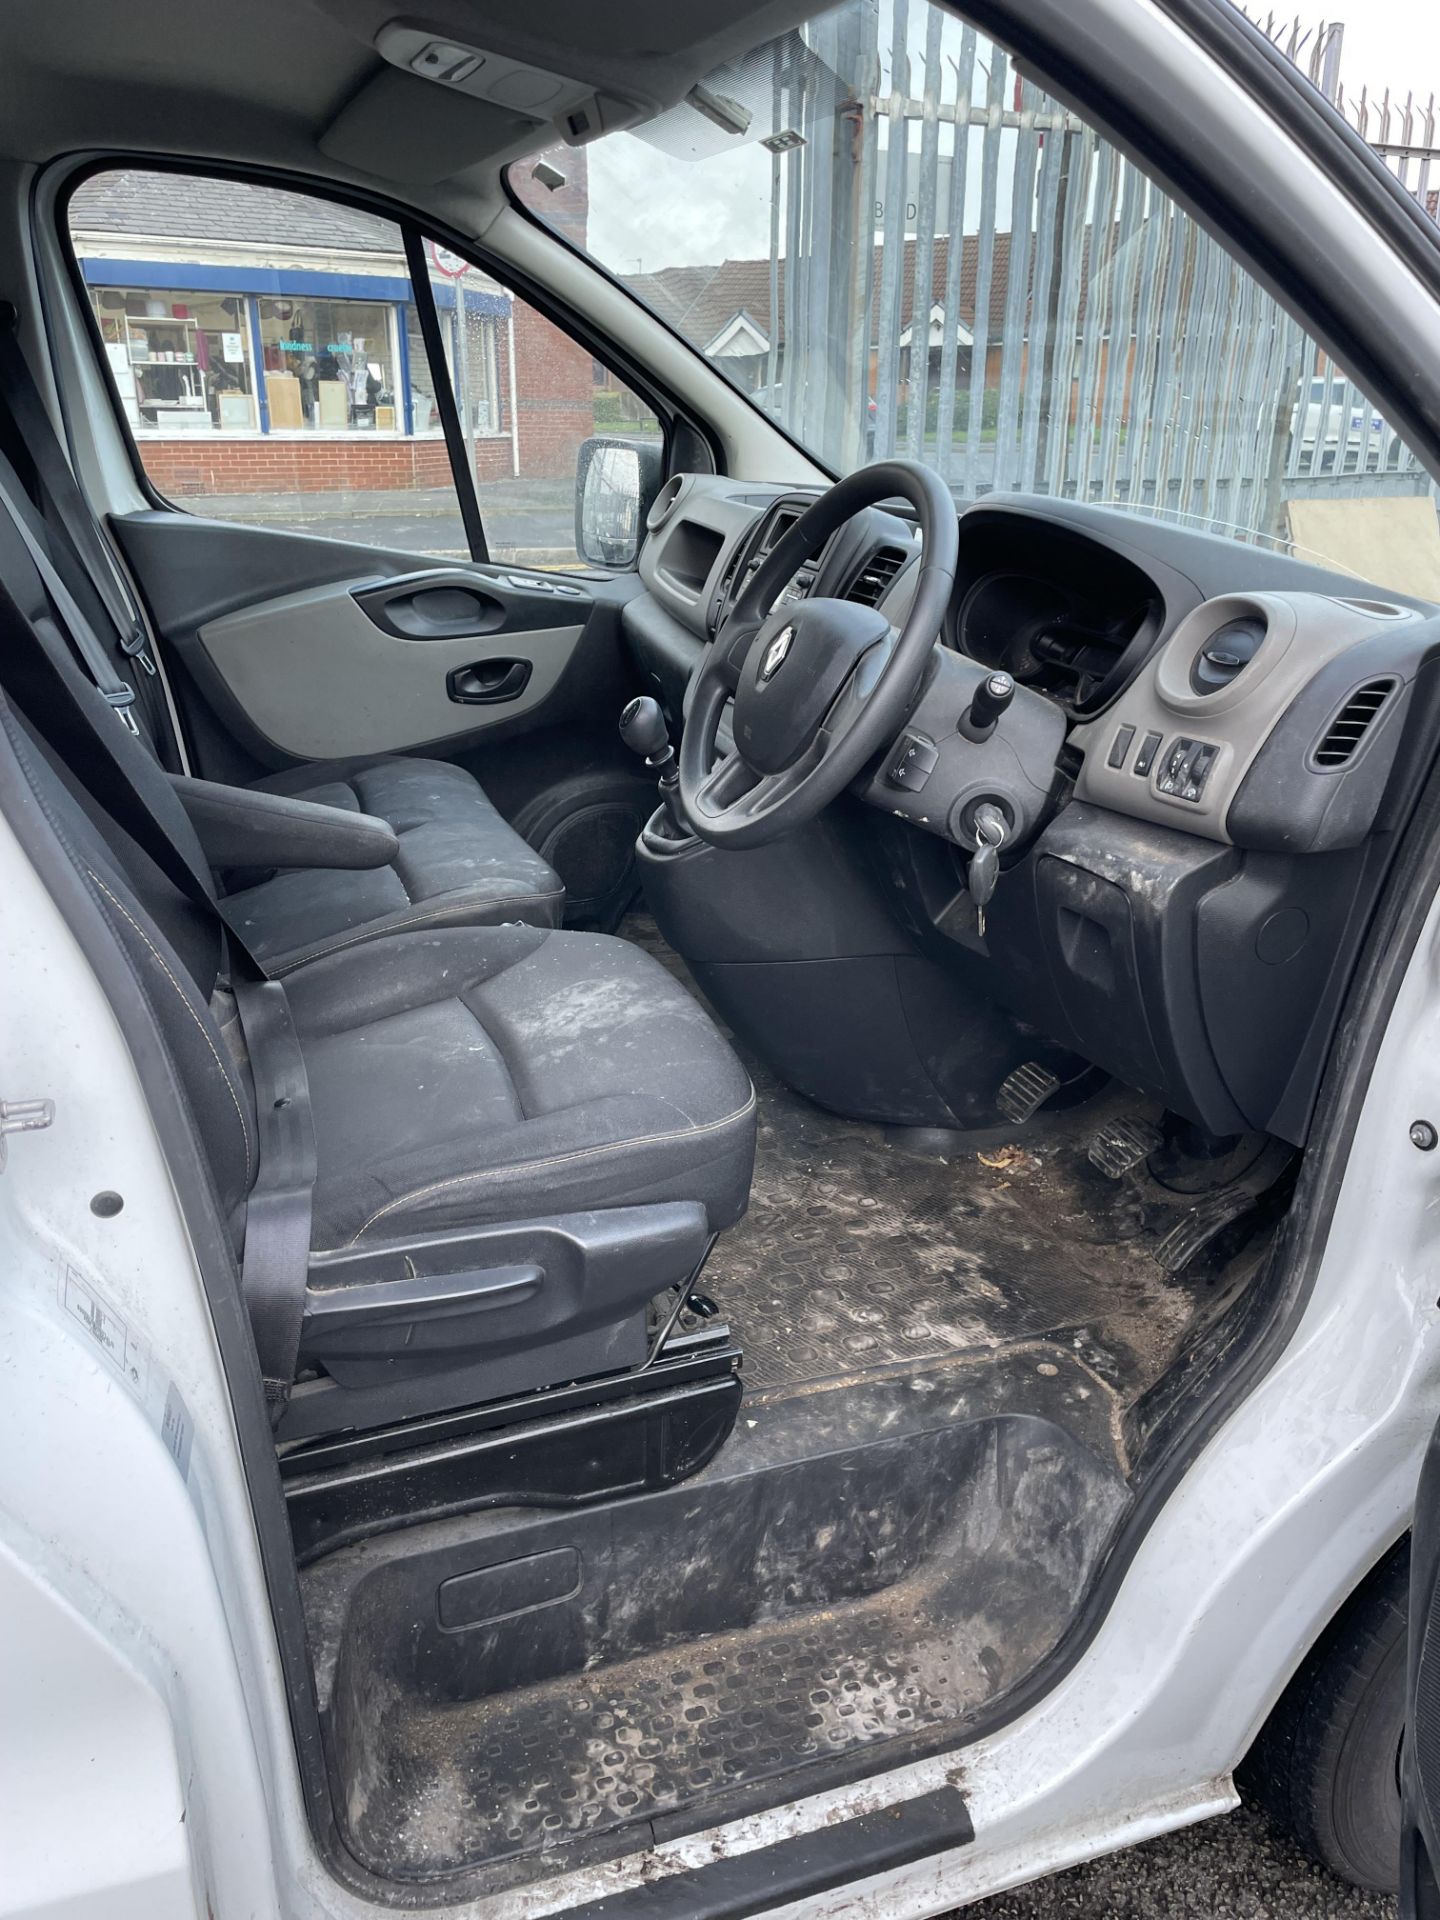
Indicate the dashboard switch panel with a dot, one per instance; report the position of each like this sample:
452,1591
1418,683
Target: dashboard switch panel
1120,746
1245,681
1145,758
1185,768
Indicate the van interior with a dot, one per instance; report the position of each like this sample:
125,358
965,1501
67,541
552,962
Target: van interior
755,1127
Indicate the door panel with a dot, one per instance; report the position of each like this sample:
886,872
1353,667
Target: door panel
207,574
319,676
193,570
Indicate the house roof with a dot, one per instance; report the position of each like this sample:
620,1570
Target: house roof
187,206
700,302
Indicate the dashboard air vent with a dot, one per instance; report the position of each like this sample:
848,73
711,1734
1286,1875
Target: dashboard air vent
725,592
1341,739
872,582
664,503
1226,654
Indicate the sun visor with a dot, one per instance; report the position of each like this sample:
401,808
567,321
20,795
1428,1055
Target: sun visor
401,128
755,97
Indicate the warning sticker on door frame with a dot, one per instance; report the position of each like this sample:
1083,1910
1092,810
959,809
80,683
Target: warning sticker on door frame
111,1333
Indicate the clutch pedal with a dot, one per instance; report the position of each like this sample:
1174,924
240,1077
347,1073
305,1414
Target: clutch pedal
1023,1092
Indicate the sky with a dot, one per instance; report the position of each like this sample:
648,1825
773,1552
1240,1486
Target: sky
1394,43
649,210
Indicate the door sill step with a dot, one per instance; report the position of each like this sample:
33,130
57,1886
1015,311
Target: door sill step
800,1868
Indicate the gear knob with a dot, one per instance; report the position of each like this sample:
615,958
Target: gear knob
992,699
643,729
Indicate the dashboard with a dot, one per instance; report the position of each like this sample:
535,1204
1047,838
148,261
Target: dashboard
1101,618
1065,615
1199,770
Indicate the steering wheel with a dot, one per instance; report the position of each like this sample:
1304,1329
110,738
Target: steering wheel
819,686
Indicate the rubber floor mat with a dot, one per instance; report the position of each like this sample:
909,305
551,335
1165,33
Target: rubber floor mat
857,1253
958,1338
548,1765
873,1596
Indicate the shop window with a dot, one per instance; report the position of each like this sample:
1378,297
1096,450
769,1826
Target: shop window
268,355
330,365
279,375
472,316
182,360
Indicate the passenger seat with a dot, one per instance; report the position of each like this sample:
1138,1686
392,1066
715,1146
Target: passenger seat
457,863
438,853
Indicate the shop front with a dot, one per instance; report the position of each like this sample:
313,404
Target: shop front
225,371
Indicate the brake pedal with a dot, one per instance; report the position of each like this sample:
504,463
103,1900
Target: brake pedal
1123,1144
1023,1092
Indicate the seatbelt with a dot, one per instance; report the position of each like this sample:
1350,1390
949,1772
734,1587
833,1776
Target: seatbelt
117,693
275,1269
278,1208
36,431
102,761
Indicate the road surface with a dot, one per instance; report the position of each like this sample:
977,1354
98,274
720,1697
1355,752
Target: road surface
1237,1867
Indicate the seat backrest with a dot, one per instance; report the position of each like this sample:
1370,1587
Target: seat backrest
172,953
174,945
31,629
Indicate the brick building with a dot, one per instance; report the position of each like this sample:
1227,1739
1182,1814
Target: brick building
263,341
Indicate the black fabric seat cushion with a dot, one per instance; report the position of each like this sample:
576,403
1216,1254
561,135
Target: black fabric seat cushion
459,864
478,1074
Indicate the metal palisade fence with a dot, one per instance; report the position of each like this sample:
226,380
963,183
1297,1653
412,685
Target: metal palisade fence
1406,135
964,271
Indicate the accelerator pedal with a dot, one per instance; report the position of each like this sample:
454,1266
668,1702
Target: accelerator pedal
1023,1092
1123,1144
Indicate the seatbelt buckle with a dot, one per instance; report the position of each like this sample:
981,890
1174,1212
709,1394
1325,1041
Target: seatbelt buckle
122,699
135,645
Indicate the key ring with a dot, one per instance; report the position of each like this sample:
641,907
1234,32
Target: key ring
991,829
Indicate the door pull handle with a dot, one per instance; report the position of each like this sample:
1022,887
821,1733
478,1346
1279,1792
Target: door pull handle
488,683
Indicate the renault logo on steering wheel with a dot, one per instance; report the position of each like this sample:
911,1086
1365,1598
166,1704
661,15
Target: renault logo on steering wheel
775,654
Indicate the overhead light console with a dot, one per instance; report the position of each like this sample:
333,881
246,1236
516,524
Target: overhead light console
577,111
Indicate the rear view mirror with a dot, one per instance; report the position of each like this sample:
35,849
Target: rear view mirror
615,482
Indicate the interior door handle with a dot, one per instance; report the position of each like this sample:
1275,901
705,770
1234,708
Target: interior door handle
488,682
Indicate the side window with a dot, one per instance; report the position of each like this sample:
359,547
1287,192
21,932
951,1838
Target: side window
269,356
532,400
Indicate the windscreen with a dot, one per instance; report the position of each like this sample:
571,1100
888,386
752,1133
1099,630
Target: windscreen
892,240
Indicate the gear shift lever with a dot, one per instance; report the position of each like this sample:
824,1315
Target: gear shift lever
992,699
643,729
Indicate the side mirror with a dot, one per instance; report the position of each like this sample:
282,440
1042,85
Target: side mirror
615,483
